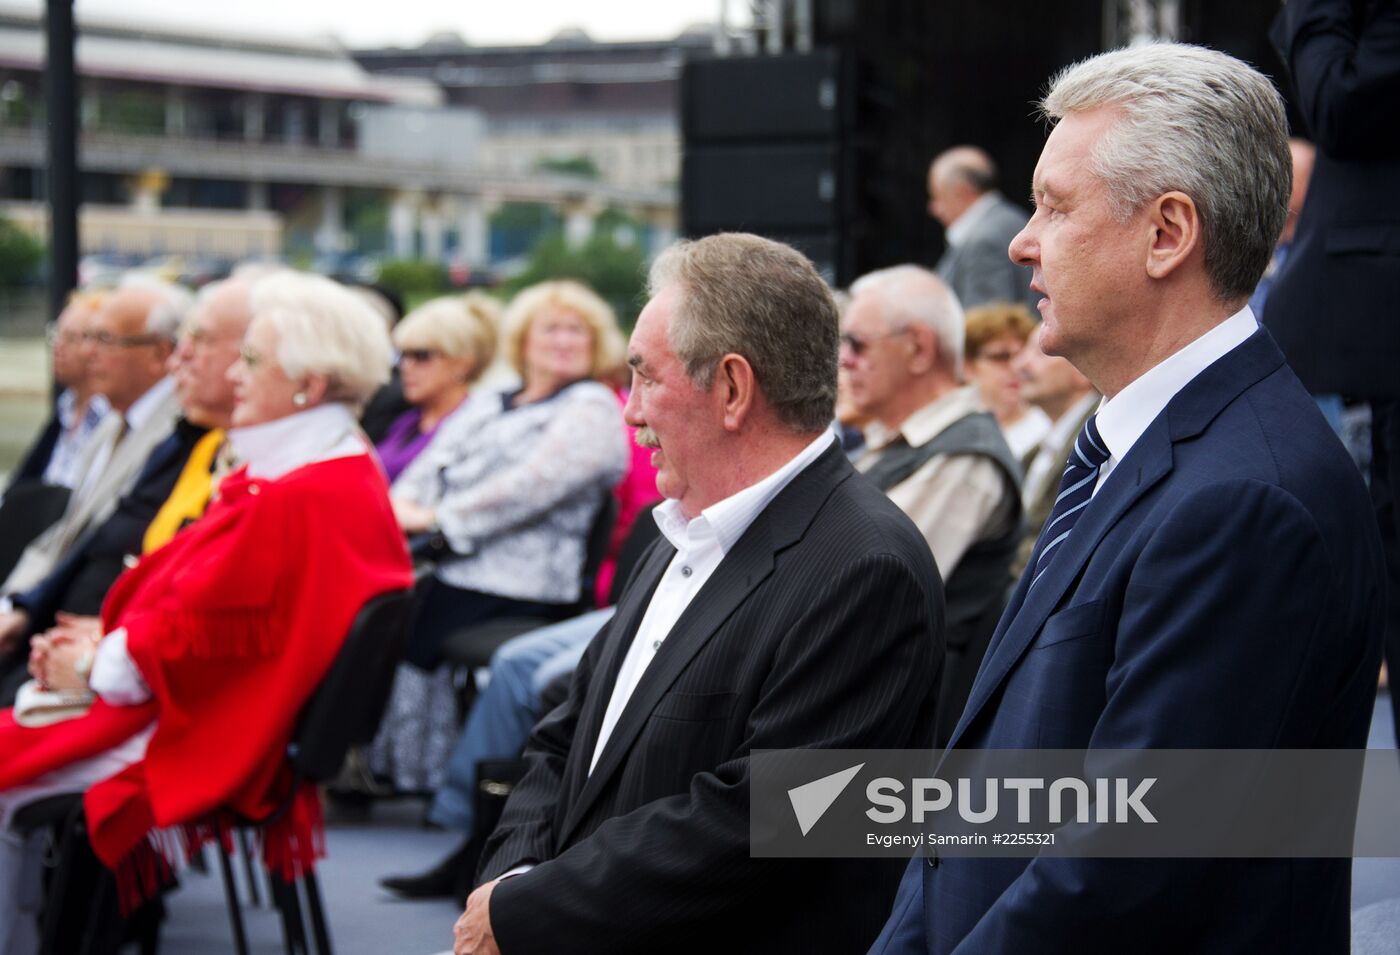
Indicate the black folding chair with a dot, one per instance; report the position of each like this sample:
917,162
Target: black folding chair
344,711
496,778
81,915
472,646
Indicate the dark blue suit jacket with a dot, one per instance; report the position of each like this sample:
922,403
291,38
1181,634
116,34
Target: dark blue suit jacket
80,581
1222,590
1332,306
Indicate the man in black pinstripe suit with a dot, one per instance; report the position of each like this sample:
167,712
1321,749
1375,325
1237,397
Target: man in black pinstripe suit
787,604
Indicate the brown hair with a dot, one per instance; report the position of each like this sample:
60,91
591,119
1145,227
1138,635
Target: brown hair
987,323
750,296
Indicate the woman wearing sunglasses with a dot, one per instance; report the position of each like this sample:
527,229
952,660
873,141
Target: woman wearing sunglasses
512,482
444,346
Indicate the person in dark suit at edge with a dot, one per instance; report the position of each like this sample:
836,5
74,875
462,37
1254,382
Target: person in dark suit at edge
1211,576
1333,303
787,604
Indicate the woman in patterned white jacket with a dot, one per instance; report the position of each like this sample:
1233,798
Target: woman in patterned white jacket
512,481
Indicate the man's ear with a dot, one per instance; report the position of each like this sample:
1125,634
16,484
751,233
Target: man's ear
923,345
736,390
1176,233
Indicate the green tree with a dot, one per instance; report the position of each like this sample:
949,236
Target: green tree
614,270
582,166
20,254
413,278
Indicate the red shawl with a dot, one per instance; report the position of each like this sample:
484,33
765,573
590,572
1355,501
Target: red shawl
232,624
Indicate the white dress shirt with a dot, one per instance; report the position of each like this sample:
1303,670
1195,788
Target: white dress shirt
1123,418
270,450
700,545
64,467
1026,433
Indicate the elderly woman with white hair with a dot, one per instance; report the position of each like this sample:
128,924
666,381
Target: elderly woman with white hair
444,346
213,642
512,482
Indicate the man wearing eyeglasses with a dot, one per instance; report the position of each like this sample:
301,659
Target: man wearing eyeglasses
936,451
126,344
57,452
172,490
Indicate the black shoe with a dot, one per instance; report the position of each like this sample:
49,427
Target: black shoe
449,879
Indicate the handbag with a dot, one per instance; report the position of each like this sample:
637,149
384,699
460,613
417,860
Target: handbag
36,706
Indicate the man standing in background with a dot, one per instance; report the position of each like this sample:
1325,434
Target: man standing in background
979,222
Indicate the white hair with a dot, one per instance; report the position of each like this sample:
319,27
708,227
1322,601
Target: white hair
171,307
1197,121
911,295
324,328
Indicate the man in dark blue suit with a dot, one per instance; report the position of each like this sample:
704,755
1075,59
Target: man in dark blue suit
1210,576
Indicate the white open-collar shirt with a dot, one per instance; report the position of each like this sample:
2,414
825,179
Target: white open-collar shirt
700,544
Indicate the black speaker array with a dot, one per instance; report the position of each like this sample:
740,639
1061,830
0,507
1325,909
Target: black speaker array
830,150
768,149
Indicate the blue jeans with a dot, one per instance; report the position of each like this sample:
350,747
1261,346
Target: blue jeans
503,715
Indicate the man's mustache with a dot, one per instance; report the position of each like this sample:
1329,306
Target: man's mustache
646,438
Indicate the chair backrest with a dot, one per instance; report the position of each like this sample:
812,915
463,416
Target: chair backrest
27,511
639,537
346,708
595,548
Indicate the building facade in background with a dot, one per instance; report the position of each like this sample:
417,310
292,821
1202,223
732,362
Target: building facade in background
219,147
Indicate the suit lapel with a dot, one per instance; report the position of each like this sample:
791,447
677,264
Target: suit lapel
743,568
37,460
164,452
1146,463
631,608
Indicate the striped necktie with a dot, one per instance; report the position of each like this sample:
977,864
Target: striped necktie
1076,488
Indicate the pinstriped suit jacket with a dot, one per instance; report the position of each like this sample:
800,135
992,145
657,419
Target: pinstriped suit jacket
822,627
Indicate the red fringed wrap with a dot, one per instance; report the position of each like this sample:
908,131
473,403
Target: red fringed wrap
232,625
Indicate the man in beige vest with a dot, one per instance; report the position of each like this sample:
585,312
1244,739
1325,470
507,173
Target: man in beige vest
936,451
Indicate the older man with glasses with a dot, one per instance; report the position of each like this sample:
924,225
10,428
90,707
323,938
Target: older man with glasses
173,489
55,456
935,449
126,345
